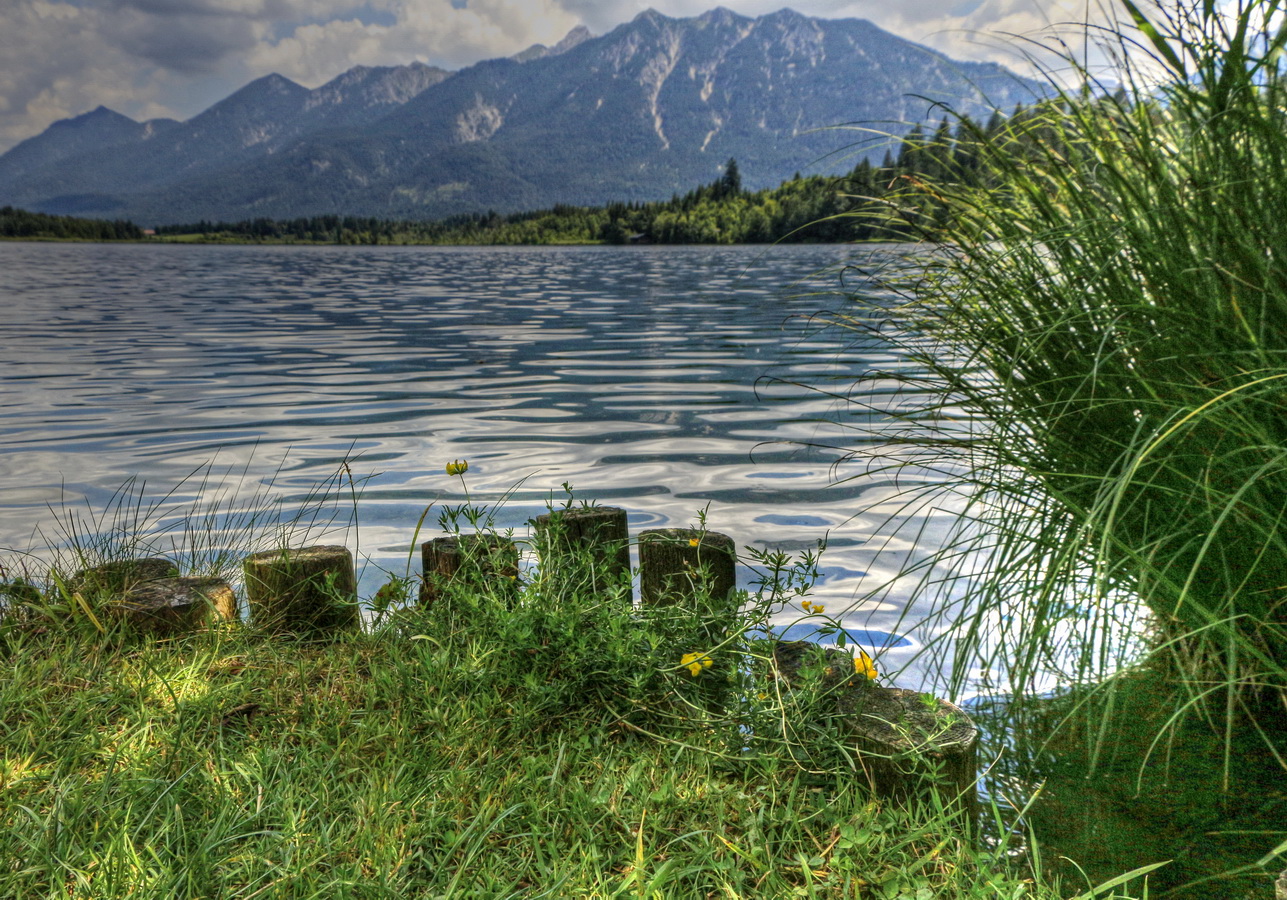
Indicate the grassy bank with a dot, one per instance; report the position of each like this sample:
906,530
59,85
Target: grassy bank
529,737
221,767
1101,345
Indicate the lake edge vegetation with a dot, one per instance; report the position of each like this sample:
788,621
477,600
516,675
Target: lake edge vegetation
1094,359
525,737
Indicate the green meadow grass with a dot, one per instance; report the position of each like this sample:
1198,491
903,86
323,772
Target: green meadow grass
219,766
550,756
530,739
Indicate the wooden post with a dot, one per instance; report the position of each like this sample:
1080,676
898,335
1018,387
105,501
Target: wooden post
305,592
599,534
905,740
677,564
481,560
148,595
168,606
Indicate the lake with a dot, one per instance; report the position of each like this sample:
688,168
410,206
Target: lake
665,380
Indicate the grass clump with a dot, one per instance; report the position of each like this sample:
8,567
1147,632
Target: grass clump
1100,344
1093,357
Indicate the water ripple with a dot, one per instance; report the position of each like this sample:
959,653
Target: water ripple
660,379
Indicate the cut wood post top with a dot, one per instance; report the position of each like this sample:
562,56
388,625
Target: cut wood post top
166,606
301,556
306,590
679,564
600,533
606,523
474,559
452,550
694,538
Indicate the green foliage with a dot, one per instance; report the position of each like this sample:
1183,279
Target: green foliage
819,208
1101,343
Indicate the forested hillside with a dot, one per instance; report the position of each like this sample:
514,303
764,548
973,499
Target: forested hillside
857,206
818,209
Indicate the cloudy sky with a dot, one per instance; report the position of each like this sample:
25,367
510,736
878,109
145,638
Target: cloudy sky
174,58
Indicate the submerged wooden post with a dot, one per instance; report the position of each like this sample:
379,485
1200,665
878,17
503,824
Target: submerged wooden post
479,560
906,741
599,534
678,564
306,592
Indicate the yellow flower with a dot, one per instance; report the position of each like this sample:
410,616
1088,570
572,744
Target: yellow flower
457,467
695,663
693,542
863,665
819,608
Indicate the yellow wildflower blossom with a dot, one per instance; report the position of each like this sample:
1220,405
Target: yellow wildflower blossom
693,542
457,467
863,665
696,662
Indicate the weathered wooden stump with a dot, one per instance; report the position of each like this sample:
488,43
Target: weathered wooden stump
598,535
148,595
168,606
906,740
479,560
678,564
305,592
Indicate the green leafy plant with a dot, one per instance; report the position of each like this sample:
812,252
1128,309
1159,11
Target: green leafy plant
1093,355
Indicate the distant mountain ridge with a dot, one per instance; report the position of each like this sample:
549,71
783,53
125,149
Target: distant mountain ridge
655,106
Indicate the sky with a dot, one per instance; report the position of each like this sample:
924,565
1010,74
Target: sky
174,58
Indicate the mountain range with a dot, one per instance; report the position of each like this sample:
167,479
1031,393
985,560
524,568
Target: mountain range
655,106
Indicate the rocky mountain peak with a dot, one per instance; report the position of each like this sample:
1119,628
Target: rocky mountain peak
577,36
98,116
655,106
721,15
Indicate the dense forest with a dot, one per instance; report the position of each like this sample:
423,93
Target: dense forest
17,223
889,201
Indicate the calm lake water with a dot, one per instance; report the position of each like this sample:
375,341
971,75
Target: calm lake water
663,380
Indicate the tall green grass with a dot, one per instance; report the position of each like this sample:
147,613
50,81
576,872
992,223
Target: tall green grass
1098,360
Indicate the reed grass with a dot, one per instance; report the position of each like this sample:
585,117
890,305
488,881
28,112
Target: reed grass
1096,351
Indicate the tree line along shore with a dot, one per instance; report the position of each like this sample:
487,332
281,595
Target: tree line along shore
864,204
